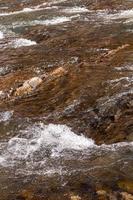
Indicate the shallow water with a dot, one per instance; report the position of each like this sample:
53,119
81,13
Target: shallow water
73,135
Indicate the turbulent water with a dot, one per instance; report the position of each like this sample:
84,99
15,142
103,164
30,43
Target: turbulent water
71,135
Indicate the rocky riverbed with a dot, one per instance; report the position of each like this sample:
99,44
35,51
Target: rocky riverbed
66,100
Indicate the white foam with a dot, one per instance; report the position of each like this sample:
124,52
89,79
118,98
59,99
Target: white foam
39,146
127,79
3,95
21,42
25,10
2,160
41,138
46,22
124,82
54,21
3,8
5,116
33,8
4,70
115,146
57,137
125,68
51,7
75,10
126,15
1,35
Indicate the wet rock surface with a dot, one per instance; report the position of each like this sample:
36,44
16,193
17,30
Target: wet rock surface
65,62
28,86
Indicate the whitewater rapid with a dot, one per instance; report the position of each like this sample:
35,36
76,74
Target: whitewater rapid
39,145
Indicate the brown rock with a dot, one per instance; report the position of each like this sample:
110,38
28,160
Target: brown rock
25,195
126,185
114,51
58,72
75,197
28,86
126,196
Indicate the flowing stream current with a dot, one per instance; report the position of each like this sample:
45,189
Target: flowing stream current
73,134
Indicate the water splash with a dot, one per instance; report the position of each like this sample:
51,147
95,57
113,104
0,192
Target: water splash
37,149
38,140
20,42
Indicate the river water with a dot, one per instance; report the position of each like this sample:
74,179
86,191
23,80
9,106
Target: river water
72,136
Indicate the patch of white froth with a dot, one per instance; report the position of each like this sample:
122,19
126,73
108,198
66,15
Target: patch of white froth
35,149
47,22
125,82
25,10
115,146
126,15
4,70
127,79
33,8
40,139
55,137
51,7
1,35
54,21
21,42
75,10
5,116
125,68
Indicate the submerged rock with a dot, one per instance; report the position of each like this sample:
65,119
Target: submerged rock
75,197
28,86
126,196
58,72
114,51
